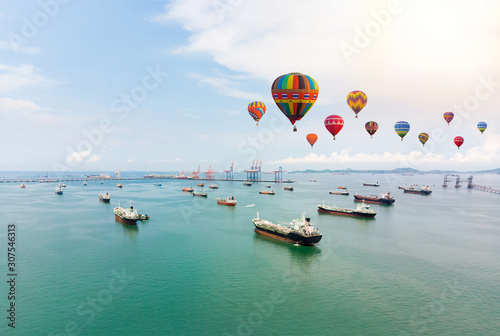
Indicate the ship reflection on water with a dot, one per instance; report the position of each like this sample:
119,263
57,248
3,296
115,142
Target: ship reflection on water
131,231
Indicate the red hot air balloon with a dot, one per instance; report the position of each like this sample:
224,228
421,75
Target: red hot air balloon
334,124
458,141
311,138
448,116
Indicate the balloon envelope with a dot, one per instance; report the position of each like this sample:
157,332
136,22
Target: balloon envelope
311,138
295,94
448,116
256,110
402,128
458,141
481,126
371,127
423,137
334,124
356,101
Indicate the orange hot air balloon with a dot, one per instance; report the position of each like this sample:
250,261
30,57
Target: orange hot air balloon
334,124
458,141
311,138
256,110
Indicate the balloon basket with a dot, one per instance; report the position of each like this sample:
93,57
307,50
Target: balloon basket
294,129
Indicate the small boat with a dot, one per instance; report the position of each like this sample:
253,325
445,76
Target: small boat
267,192
102,182
119,185
288,188
268,186
341,187
190,189
59,191
312,180
343,192
127,216
371,184
23,185
423,191
362,210
104,198
143,217
85,183
400,187
157,184
247,183
299,231
383,199
231,201
201,194
200,185
63,185
213,186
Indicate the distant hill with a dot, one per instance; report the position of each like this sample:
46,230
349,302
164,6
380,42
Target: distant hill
406,170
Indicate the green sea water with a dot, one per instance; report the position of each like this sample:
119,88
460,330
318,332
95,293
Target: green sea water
428,265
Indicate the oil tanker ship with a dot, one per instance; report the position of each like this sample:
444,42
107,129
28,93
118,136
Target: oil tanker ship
383,199
299,231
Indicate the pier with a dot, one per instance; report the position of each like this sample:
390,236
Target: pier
470,185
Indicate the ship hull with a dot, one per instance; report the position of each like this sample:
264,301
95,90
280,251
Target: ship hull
338,193
291,237
421,192
226,203
125,220
365,199
350,214
371,185
104,200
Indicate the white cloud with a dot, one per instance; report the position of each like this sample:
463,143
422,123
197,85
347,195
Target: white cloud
408,57
15,77
94,158
5,45
27,112
226,87
488,152
78,156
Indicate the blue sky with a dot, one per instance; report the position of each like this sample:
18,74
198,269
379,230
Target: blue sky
164,85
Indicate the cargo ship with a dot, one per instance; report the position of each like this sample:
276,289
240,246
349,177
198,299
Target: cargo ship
104,198
213,186
127,216
299,231
341,187
288,188
119,185
362,210
59,191
267,192
231,201
423,191
23,185
247,183
201,194
190,189
343,192
371,184
200,185
383,199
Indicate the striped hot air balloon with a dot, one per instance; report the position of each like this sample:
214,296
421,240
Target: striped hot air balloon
256,110
481,126
371,127
295,94
423,137
402,128
356,101
448,116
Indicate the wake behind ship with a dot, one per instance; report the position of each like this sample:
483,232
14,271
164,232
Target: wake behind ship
299,231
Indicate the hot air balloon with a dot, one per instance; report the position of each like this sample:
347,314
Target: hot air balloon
371,127
311,138
402,127
334,124
295,94
423,137
356,101
256,110
458,141
481,126
448,116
